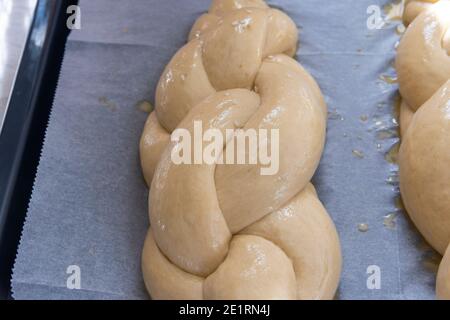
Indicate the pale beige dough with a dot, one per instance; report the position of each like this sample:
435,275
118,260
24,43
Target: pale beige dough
423,66
423,63
153,142
317,260
443,278
424,160
299,239
415,7
406,115
221,231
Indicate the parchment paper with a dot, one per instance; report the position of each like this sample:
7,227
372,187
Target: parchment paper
89,204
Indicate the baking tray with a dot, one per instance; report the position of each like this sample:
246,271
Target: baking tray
362,59
25,123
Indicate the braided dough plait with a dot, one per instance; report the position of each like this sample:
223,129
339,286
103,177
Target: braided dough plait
223,231
423,65
424,161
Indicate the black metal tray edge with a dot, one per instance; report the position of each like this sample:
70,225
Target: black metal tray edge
25,124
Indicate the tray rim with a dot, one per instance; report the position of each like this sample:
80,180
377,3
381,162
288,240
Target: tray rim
24,125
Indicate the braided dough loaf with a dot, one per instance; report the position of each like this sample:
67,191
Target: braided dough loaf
225,231
415,7
423,66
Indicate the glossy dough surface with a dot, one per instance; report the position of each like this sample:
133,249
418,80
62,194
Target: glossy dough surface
423,61
223,231
423,66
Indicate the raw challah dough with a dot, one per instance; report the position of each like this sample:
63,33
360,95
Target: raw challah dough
443,283
223,231
423,66
413,8
423,61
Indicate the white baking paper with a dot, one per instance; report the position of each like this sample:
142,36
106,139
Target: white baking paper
87,216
